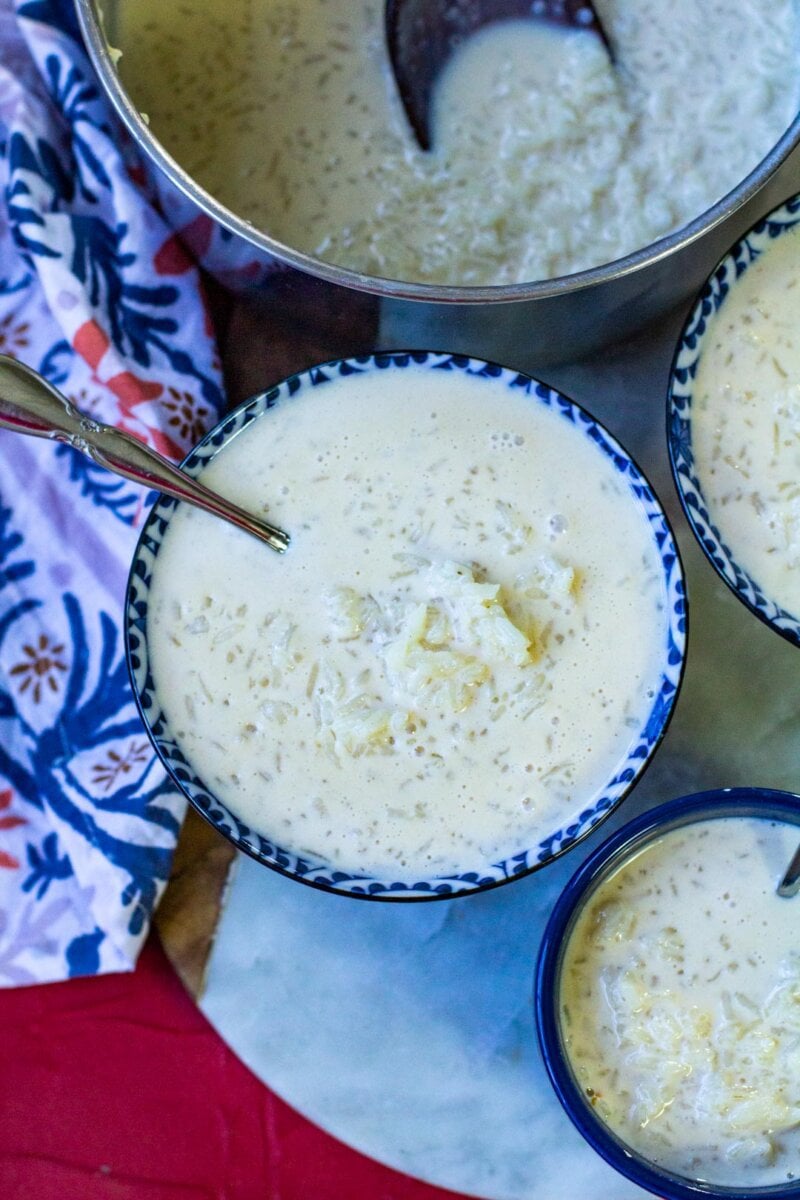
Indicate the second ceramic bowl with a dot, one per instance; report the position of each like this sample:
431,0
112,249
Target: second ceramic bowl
580,1103
705,324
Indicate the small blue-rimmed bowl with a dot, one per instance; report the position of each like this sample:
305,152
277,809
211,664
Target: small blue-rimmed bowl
577,824
627,841
679,416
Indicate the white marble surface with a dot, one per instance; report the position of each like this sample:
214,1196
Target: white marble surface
407,1031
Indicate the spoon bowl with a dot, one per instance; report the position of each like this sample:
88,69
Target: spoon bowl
422,35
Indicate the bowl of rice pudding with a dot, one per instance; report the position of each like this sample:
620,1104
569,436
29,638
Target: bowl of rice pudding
668,998
567,194
734,419
462,664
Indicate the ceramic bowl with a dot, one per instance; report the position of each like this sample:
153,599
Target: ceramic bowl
627,841
689,350
576,824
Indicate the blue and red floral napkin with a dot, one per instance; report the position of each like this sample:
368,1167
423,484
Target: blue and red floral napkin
96,294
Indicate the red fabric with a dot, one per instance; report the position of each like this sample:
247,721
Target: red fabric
91,342
117,1088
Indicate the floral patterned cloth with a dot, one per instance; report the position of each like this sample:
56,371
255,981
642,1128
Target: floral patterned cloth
97,295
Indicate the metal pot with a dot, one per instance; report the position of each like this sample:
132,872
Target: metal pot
551,321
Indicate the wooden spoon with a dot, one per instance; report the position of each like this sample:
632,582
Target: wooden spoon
422,35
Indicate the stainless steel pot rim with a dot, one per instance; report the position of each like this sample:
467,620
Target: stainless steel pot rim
88,12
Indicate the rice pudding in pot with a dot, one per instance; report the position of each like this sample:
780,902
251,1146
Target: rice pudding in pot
548,158
679,1003
745,421
465,639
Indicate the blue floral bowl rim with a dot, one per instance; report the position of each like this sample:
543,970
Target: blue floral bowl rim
378,890
791,633
766,803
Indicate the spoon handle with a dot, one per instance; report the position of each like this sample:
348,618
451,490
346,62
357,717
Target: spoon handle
790,884
30,405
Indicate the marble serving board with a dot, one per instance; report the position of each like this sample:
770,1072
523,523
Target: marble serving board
407,1031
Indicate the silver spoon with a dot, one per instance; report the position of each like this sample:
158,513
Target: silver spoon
421,35
790,884
29,404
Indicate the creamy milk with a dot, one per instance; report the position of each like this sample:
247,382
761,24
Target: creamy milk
680,1003
455,654
547,158
746,421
